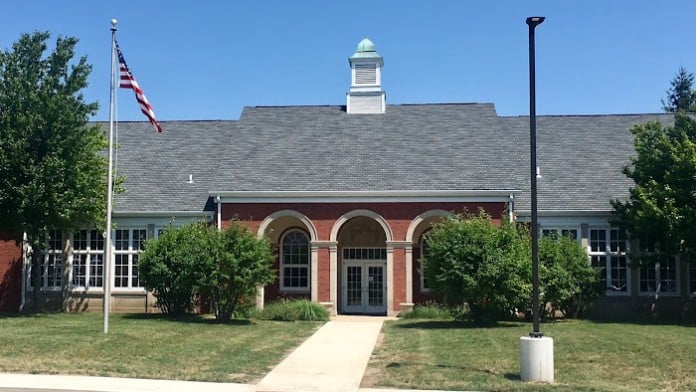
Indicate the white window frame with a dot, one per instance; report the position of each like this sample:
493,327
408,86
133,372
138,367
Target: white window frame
559,231
677,277
58,257
131,252
609,255
91,255
305,266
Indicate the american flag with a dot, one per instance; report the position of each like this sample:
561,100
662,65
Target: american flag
127,80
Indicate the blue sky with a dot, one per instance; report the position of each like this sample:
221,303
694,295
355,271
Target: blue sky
209,59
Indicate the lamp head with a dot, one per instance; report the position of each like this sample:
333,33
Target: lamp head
534,21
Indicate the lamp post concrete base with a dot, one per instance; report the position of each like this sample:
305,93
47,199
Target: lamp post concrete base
536,359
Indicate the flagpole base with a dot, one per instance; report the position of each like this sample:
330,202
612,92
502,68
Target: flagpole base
536,359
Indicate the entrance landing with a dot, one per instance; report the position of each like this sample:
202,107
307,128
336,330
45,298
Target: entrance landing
335,357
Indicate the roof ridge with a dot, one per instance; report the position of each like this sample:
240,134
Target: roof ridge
590,115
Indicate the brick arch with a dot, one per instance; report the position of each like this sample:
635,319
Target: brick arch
421,218
365,213
311,229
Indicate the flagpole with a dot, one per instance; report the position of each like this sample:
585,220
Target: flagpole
109,197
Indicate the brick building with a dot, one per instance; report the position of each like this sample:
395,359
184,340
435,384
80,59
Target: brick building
346,194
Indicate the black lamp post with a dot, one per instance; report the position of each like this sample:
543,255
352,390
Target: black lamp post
532,22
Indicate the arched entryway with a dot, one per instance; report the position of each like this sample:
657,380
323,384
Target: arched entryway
418,290
292,234
363,267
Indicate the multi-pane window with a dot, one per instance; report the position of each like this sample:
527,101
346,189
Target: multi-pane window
364,254
570,233
51,268
128,243
608,254
294,261
88,259
660,277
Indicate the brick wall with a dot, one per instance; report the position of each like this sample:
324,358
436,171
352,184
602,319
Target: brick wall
10,274
323,216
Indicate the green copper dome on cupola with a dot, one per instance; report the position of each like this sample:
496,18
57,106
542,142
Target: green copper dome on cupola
365,49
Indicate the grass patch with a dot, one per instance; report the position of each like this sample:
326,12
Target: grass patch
147,346
589,356
428,311
293,310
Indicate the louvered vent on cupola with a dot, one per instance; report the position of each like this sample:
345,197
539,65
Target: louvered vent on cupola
365,74
366,95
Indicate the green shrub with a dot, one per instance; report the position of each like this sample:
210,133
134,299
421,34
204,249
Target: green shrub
294,310
175,267
481,266
430,311
568,282
241,262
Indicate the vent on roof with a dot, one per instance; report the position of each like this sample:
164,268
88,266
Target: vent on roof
365,73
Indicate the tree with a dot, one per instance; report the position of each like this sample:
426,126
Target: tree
52,172
661,209
473,262
681,96
242,263
177,266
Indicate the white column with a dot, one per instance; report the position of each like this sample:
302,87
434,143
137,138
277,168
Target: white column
314,273
259,297
333,270
390,280
26,262
409,273
67,272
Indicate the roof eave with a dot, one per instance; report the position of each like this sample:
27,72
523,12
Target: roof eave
387,196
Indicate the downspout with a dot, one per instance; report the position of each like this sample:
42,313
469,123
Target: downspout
511,208
219,212
25,253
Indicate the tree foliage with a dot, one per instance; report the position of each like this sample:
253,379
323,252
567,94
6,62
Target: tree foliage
242,262
661,209
681,95
52,173
475,263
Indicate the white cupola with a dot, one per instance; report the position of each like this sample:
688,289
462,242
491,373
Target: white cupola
366,95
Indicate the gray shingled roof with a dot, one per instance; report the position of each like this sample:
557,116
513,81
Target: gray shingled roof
410,147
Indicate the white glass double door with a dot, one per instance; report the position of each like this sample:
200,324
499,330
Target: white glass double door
365,287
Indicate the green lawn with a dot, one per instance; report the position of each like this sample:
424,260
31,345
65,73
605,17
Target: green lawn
147,346
588,356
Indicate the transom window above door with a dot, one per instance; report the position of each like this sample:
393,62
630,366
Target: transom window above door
364,254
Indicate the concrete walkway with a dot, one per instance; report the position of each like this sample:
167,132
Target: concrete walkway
333,359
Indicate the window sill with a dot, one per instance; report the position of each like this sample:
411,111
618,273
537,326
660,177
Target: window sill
123,290
652,294
617,293
295,289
